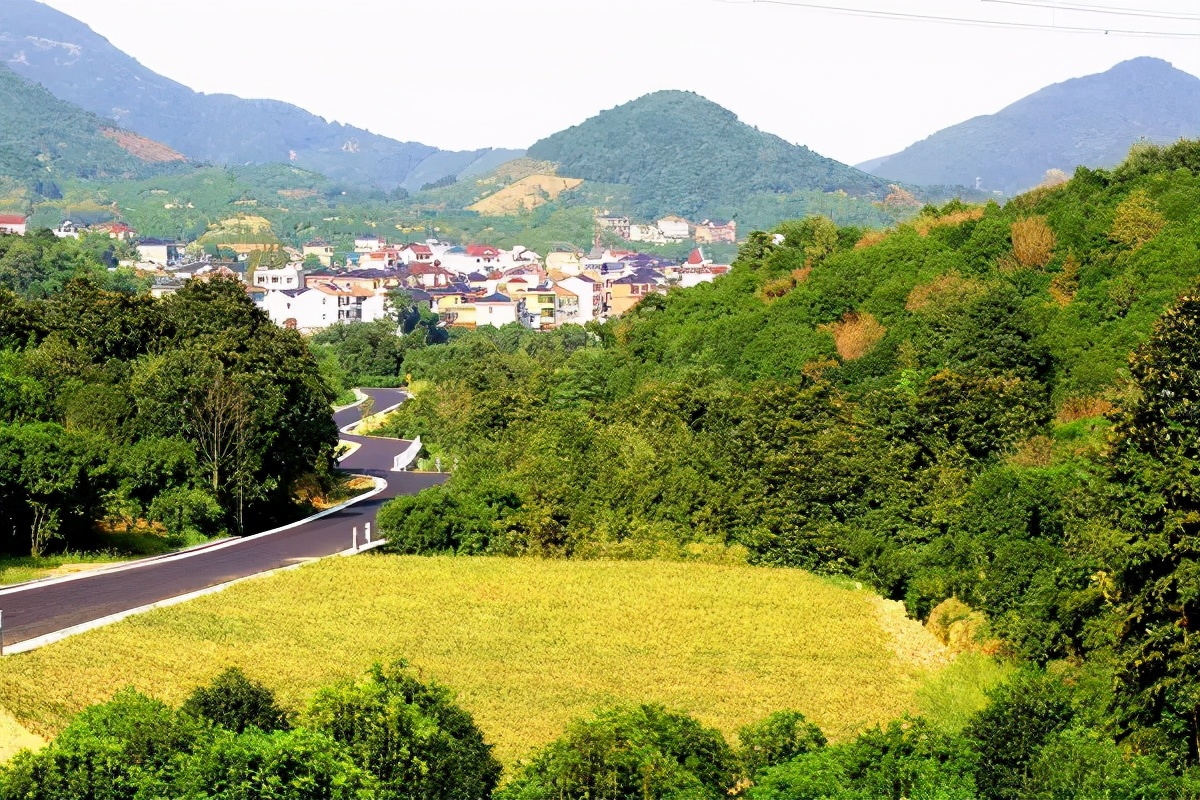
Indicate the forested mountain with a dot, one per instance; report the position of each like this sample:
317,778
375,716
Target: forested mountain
683,154
44,139
1090,121
79,65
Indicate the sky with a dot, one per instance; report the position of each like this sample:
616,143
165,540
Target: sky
461,74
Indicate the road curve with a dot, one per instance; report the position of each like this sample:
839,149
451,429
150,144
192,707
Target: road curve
37,609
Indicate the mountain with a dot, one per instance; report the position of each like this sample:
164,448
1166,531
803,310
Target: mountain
44,140
82,67
683,154
1091,121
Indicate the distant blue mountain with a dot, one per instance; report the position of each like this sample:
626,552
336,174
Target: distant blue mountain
1091,121
78,65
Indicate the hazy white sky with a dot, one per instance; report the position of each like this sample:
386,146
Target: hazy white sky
503,73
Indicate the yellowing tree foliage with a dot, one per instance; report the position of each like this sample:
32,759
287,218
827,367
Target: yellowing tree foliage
1033,242
1137,220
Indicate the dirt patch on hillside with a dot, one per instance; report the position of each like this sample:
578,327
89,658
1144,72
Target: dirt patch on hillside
140,147
14,738
524,195
910,640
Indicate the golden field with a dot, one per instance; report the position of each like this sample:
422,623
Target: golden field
527,644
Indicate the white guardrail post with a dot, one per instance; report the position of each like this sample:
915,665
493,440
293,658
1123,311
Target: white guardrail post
405,459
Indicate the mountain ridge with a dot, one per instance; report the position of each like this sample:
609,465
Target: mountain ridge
685,154
44,139
1092,121
80,66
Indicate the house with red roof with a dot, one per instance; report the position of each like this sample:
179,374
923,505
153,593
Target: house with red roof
12,224
483,252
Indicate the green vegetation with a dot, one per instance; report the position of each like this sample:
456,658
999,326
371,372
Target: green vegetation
25,568
178,418
387,736
47,141
685,155
528,644
948,410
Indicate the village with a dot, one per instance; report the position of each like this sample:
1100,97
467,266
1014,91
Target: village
315,286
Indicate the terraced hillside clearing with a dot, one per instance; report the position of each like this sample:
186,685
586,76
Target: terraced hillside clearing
527,644
524,195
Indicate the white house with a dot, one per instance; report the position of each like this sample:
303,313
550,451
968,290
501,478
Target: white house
288,277
12,223
674,229
67,230
646,233
591,297
369,243
158,252
415,252
303,309
497,309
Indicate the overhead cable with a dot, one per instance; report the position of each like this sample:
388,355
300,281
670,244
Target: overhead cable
976,22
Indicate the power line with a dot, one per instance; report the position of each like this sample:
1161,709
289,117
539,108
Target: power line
983,23
1083,8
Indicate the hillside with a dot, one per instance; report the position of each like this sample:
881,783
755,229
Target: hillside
1091,121
525,194
683,154
528,645
82,67
44,140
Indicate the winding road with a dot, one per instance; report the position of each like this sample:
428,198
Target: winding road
37,612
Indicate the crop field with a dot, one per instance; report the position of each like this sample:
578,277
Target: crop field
527,644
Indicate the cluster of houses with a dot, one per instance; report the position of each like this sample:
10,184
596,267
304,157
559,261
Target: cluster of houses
669,230
470,286
466,286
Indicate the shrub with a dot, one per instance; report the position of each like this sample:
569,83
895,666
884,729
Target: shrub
234,702
411,736
629,754
1008,734
776,739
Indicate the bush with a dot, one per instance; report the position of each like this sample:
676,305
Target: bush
1008,734
234,702
776,739
629,754
411,736
296,765
187,513
128,747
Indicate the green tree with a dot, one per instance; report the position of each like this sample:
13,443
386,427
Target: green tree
234,702
1023,714
1155,552
780,737
410,735
629,754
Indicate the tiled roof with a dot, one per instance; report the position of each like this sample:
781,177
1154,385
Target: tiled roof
12,219
495,297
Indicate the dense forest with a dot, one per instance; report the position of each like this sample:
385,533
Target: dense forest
982,405
181,417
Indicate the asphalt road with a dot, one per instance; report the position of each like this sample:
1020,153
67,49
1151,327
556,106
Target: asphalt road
41,608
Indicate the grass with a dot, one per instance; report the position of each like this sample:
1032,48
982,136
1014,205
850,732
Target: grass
951,697
528,644
18,569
